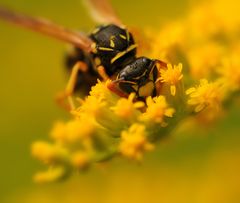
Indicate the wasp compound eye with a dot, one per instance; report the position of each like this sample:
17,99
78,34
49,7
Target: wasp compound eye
145,60
123,75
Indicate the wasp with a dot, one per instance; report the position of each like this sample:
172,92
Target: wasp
109,52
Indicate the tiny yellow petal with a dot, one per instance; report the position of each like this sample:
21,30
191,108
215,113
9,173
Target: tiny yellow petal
173,90
139,104
53,174
131,96
190,90
199,108
169,112
149,101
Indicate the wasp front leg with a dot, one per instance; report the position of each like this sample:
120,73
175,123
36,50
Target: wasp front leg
67,93
113,87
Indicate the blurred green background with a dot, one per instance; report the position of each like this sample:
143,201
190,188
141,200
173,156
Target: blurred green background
198,165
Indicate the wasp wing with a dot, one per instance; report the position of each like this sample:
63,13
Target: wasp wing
102,11
47,28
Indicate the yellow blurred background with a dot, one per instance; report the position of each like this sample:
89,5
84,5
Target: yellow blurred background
196,165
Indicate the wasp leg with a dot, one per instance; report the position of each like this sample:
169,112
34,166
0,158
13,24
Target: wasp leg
159,64
112,86
67,93
101,71
158,88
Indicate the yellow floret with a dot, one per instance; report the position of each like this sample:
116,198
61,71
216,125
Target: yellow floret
205,95
157,109
134,142
172,75
125,108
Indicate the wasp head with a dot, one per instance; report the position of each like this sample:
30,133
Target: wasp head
139,76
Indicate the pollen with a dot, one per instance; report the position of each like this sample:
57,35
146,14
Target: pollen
172,75
134,142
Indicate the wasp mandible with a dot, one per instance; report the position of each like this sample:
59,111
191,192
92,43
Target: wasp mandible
109,52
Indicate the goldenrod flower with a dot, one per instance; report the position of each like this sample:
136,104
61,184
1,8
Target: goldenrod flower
157,109
74,130
172,75
101,92
230,73
59,132
127,108
49,153
91,106
134,142
205,95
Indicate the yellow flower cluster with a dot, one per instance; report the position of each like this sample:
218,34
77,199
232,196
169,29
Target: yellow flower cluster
104,125
206,41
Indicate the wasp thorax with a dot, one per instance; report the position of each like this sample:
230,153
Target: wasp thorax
114,47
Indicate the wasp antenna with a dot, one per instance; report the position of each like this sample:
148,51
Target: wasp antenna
161,63
118,80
